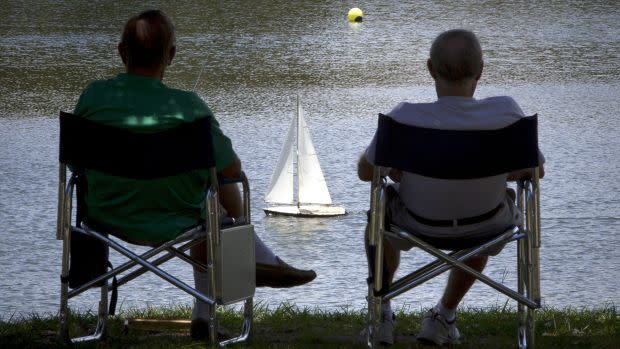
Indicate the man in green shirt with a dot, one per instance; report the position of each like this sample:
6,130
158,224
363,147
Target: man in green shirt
156,210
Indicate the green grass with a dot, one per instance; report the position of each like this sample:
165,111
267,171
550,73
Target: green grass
288,326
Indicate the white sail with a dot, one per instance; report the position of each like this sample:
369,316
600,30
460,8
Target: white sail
281,186
311,183
313,198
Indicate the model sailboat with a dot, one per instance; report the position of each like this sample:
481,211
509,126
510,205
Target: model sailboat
313,197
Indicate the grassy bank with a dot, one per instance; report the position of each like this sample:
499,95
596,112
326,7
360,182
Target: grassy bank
290,327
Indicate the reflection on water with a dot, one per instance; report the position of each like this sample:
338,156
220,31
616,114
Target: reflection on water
282,225
559,59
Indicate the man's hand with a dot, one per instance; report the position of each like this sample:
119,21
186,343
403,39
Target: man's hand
395,175
526,173
364,169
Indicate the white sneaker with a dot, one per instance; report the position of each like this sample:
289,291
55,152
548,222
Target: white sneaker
437,330
386,328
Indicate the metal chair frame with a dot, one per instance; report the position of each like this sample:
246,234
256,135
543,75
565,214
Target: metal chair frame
211,232
528,237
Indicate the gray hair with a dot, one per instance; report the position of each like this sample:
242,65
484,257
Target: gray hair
456,55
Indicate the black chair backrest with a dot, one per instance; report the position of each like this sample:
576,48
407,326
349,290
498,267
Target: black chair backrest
85,144
451,154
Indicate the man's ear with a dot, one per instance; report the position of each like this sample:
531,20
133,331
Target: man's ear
429,66
122,51
171,53
481,69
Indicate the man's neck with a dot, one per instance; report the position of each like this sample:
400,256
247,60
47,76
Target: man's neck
444,88
153,73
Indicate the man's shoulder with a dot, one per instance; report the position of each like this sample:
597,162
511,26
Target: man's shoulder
191,99
92,95
182,93
98,85
407,112
427,114
503,101
459,113
408,107
502,109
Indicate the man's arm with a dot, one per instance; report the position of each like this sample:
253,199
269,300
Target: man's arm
528,173
233,170
226,159
365,169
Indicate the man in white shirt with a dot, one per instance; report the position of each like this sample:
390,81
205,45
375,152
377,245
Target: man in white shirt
423,204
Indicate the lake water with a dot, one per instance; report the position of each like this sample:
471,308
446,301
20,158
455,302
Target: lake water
560,59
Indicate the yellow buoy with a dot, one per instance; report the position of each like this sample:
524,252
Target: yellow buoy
355,15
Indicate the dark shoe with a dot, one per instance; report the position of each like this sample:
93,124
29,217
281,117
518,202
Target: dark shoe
281,275
199,330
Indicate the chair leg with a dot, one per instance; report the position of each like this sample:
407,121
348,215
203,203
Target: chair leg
529,312
528,262
529,329
532,215
102,321
248,313
533,293
64,291
212,339
64,314
374,318
522,337
375,272
375,258
533,290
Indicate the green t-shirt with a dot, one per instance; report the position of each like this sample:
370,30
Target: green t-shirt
153,210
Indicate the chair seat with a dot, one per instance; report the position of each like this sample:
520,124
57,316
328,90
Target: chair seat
225,222
444,243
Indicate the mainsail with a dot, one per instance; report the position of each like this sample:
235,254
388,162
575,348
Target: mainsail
312,186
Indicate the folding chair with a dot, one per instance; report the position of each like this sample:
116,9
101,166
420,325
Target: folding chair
87,145
457,155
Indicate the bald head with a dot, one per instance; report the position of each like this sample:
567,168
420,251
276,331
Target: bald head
147,41
456,56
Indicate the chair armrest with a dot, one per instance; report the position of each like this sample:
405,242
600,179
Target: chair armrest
229,180
65,202
226,221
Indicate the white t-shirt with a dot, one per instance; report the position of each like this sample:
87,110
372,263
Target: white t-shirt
439,199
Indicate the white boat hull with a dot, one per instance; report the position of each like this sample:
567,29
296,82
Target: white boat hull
306,210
